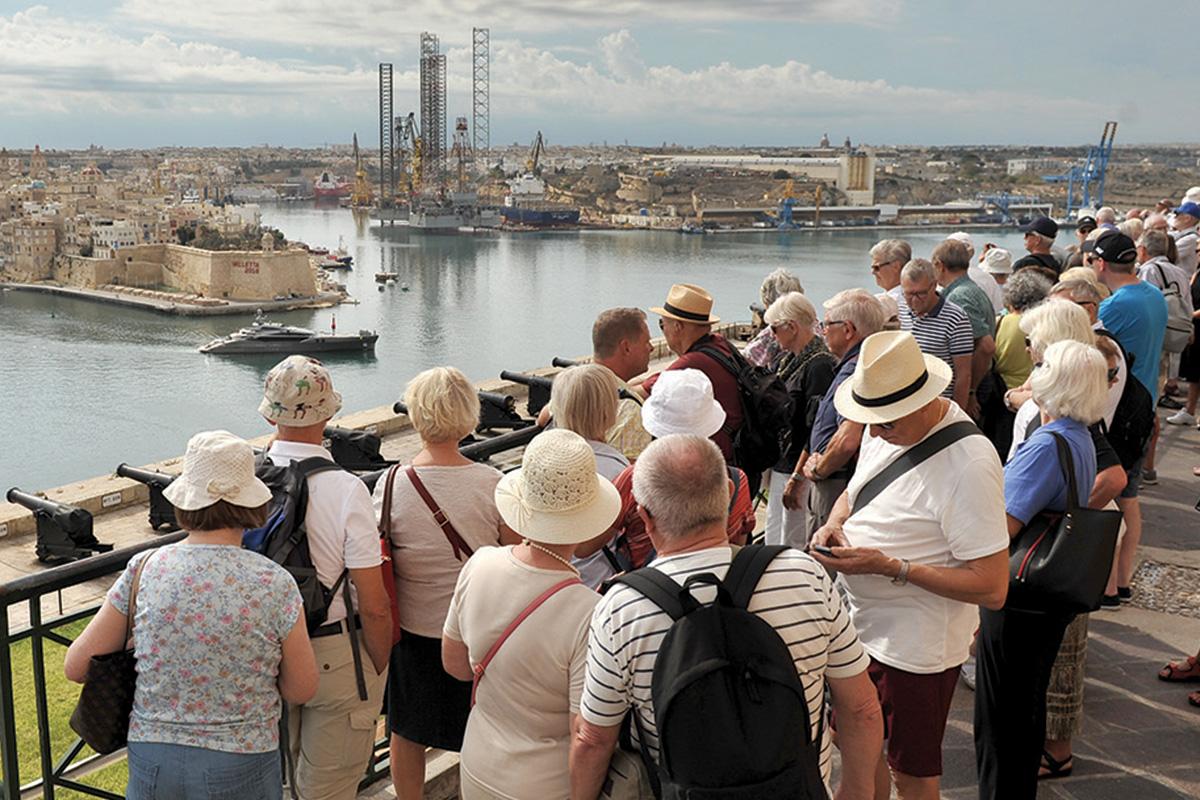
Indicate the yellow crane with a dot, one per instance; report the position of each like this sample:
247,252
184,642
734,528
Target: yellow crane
361,196
536,151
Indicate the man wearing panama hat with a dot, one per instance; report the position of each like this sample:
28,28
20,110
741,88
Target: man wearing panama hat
686,323
914,558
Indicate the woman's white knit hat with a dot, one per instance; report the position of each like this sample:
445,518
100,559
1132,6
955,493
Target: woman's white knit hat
556,497
217,466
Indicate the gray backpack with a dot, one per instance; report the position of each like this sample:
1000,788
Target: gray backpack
1179,321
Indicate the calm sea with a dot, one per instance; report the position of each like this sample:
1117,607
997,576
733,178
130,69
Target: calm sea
84,386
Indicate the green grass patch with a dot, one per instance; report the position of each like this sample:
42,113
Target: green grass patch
61,696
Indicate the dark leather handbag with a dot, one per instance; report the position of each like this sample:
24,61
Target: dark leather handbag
1059,563
101,717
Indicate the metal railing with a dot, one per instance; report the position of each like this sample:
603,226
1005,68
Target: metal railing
63,770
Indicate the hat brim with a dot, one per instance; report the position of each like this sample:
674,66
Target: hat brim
564,527
187,496
940,375
999,269
656,426
662,312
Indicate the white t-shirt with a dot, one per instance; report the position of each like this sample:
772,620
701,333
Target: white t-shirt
342,533
519,732
795,596
423,560
985,281
947,511
610,462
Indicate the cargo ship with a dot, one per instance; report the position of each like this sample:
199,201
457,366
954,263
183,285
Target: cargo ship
328,186
526,204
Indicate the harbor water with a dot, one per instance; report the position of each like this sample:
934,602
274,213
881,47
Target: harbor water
85,385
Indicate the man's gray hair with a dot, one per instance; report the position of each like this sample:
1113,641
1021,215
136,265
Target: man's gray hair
1155,243
919,269
1077,289
858,306
777,284
1025,289
681,481
892,250
1106,216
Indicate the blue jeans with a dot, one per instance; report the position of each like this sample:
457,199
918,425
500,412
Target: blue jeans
160,771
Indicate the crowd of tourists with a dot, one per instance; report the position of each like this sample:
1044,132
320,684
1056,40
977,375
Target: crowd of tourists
609,619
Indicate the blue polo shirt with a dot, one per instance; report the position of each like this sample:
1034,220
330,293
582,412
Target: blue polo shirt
1136,314
828,419
1035,481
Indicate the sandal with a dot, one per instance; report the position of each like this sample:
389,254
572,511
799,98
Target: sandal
1185,672
1053,768
1194,699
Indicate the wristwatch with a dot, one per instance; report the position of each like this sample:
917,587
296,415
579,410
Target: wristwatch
902,576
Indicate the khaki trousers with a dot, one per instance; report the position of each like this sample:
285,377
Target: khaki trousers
333,735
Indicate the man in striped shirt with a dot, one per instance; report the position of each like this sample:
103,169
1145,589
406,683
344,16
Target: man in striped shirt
940,327
682,491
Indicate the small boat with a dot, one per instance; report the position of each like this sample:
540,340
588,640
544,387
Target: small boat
328,261
269,337
692,228
386,277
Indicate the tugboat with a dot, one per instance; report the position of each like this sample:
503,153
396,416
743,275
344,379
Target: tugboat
269,337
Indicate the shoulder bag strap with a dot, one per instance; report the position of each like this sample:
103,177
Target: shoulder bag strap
131,607
480,668
385,513
749,564
658,589
910,458
735,475
1067,461
439,516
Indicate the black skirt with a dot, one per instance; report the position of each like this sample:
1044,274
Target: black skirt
1189,364
425,704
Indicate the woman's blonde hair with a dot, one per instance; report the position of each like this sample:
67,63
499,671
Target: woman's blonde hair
1085,274
1072,382
442,405
1053,321
584,399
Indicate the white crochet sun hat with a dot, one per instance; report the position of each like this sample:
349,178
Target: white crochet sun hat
298,392
556,497
217,466
682,402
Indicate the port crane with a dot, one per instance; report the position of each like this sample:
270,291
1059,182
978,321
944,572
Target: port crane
536,151
408,153
786,203
361,196
1086,181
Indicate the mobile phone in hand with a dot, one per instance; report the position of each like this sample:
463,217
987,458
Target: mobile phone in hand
822,549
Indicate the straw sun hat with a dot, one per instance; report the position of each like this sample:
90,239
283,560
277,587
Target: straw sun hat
892,379
682,402
217,466
556,497
687,302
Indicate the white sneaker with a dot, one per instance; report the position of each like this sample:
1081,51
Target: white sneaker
1181,417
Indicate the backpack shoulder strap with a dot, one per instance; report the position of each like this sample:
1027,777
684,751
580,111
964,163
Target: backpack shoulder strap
749,564
314,464
658,589
730,364
912,457
735,475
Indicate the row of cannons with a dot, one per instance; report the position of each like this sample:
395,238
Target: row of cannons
65,532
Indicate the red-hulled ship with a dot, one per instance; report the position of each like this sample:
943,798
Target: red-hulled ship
329,186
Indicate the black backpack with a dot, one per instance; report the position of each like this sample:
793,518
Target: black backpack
284,538
729,707
1133,420
767,413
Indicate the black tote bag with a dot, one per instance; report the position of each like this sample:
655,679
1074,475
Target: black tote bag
1059,563
101,717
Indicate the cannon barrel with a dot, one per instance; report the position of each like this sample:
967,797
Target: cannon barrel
563,362
35,503
398,407
495,410
476,451
538,381
147,476
505,402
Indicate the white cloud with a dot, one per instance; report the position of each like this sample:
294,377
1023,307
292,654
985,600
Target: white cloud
385,25
56,67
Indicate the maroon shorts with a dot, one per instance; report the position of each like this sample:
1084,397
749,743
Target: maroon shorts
915,708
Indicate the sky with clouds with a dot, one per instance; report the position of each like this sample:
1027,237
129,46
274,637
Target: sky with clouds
135,73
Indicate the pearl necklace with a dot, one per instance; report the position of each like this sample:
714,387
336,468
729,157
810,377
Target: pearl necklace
535,546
